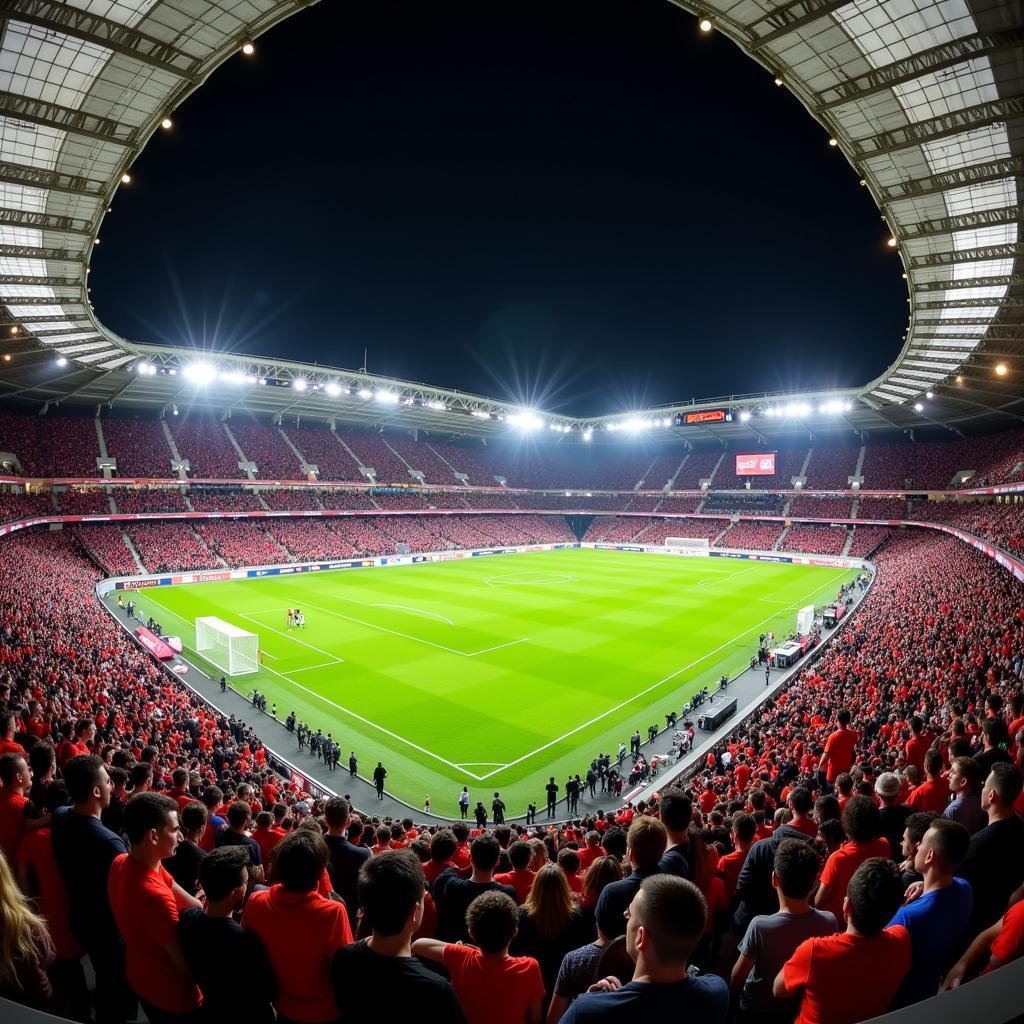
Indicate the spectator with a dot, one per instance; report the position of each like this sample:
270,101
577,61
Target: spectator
183,866
965,783
85,850
837,756
994,864
145,901
824,972
938,918
26,949
219,952
645,846
346,859
755,893
236,834
893,814
391,893
916,827
731,864
576,973
493,987
862,823
520,878
550,925
300,929
453,893
933,794
16,811
1003,942
666,920
772,939
676,811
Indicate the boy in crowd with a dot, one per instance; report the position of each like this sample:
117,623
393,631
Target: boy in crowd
665,921
219,951
771,939
391,894
491,985
454,893
829,974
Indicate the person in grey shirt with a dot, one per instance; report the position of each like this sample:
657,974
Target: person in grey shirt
965,784
771,938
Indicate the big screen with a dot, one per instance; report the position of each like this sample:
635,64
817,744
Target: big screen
756,465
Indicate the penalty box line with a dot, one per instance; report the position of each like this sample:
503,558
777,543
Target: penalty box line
654,686
416,639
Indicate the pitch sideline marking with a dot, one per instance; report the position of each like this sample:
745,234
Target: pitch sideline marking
654,686
374,725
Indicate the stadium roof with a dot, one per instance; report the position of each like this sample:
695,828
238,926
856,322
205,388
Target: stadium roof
925,99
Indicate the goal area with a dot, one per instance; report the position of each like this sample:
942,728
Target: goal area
687,543
234,651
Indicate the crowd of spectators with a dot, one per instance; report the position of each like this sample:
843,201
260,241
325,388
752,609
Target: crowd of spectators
140,448
373,453
241,542
171,547
206,445
267,449
661,471
321,448
821,540
107,548
1001,523
870,507
820,508
17,506
866,539
52,445
855,844
155,499
422,457
831,467
749,533
210,500
697,467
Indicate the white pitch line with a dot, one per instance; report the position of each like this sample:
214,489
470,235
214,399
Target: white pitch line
415,611
416,639
654,686
288,636
722,579
379,728
487,650
309,668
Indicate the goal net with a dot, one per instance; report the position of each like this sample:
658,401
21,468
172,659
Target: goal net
234,651
688,543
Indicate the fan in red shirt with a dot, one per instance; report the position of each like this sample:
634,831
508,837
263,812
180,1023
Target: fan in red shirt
493,987
16,777
300,929
862,823
729,866
145,901
593,849
520,877
933,794
919,743
839,747
854,975
7,743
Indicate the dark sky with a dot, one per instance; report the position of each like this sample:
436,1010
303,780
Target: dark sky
584,204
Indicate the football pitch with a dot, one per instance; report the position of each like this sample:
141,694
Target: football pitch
495,672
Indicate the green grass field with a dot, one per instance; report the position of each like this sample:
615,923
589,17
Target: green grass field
496,672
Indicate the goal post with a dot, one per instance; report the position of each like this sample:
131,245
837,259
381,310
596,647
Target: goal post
234,651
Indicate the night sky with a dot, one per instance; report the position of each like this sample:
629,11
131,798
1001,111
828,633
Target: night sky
587,205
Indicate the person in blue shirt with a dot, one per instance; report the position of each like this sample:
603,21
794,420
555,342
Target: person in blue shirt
664,923
937,912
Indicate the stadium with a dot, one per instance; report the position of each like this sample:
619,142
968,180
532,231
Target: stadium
325,691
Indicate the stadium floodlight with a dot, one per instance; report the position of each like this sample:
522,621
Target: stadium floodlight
437,406
525,420
333,388
1000,369
918,407
145,369
62,361
929,394
298,384
744,415
705,25
200,373
365,393
588,434
167,124
388,397
666,421
248,49
481,414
